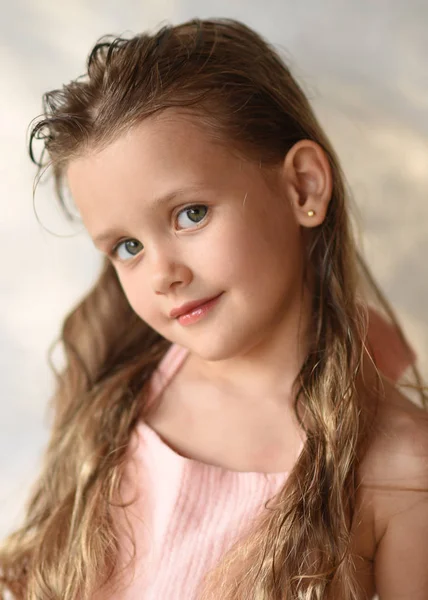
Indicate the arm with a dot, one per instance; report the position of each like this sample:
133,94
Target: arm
401,559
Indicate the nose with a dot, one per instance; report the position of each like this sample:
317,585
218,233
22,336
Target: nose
167,270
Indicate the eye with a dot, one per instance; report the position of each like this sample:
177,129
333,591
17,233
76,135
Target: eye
195,214
131,246
127,249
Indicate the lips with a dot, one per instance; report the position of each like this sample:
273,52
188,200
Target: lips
189,306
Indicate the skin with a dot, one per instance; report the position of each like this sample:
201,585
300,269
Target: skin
257,218
250,247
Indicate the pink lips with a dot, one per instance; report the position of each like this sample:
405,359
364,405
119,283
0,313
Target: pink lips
193,311
188,306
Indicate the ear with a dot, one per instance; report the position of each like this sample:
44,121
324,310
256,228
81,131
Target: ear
308,180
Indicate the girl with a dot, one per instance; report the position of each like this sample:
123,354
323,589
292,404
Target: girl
228,423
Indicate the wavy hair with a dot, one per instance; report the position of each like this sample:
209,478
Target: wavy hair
235,84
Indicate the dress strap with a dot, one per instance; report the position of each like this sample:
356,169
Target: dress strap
390,352
166,369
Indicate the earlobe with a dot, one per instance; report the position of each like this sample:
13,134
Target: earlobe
308,173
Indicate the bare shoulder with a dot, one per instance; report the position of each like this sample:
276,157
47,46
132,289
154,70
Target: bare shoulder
394,476
397,457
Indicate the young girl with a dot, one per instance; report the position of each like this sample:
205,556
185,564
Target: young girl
228,424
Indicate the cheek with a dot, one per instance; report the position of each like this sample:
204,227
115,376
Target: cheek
262,251
138,296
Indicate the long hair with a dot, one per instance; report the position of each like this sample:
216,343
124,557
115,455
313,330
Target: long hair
236,85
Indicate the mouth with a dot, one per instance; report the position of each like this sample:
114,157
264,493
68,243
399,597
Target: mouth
188,307
197,310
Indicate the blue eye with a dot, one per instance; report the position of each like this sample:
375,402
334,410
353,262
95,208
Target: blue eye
195,213
131,246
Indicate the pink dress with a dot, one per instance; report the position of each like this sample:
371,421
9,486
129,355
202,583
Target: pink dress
187,513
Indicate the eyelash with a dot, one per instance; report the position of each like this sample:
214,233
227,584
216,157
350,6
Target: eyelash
113,252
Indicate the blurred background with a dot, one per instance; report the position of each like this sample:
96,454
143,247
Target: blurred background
363,66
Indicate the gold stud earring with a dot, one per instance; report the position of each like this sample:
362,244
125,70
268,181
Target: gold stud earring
311,213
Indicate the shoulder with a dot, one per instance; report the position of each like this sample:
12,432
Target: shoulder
394,468
394,475
397,456
399,444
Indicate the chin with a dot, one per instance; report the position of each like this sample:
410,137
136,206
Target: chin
217,347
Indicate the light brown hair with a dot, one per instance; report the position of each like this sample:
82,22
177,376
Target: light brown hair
237,87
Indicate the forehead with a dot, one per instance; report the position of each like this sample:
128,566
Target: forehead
158,150
162,154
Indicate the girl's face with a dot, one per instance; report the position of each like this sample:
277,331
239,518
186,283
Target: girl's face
183,219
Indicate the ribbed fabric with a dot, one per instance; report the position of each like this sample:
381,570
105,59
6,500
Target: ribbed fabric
186,513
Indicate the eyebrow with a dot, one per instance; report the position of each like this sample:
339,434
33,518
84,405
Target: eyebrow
155,204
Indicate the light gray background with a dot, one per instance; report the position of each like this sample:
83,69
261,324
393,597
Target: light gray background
364,66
